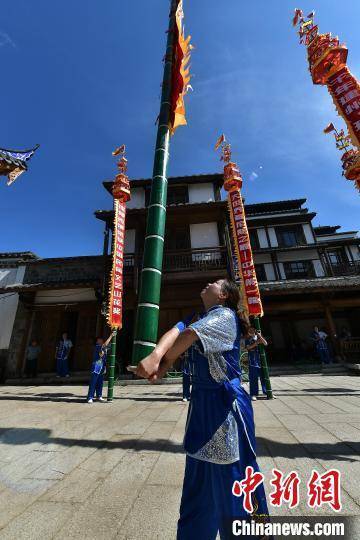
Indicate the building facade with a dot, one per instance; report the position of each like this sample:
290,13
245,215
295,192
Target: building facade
308,276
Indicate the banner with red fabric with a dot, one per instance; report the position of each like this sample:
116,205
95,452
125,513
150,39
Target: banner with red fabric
116,287
244,252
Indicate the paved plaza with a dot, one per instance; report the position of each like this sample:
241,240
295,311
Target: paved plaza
71,470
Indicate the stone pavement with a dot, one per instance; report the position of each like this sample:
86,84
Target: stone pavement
71,470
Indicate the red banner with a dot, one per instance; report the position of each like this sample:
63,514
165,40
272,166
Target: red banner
244,252
345,91
116,287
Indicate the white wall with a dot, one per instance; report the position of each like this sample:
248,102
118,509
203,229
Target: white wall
270,272
263,241
204,235
137,198
355,252
273,237
199,193
298,255
318,267
9,303
64,296
281,270
308,233
129,246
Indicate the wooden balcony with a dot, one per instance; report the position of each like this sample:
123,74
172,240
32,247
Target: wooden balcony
186,260
344,269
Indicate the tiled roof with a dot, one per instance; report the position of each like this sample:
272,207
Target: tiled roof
301,285
23,255
17,158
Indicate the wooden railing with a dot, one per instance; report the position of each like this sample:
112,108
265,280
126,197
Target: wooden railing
350,349
344,269
184,260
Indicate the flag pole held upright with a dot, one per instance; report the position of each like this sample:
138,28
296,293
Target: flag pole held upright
251,300
121,194
175,82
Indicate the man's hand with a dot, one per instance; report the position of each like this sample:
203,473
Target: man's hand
149,366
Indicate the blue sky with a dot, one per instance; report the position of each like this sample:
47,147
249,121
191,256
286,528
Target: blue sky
82,77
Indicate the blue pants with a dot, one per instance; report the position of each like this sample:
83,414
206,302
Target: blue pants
208,505
62,367
254,374
96,385
186,385
324,355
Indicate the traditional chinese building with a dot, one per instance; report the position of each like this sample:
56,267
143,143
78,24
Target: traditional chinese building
308,275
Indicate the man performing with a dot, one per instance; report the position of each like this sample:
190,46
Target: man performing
220,433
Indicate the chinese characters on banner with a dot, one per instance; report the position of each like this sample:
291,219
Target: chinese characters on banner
244,252
328,66
116,288
345,91
321,489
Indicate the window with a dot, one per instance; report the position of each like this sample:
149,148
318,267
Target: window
298,269
336,256
178,238
254,239
260,272
290,236
175,195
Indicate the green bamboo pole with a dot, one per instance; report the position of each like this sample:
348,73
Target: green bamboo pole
263,361
111,364
147,319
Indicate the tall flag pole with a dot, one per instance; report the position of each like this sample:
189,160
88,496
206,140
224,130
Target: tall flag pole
175,85
14,162
241,241
328,66
121,194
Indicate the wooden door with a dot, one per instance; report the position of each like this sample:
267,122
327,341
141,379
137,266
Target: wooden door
45,331
85,338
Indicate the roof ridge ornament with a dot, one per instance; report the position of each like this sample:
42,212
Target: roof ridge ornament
13,162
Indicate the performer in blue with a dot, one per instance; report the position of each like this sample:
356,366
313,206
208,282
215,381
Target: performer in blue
252,342
318,337
98,369
186,379
220,434
62,355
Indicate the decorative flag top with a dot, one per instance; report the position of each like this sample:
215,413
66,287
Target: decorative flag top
350,158
327,63
13,162
180,77
240,234
121,194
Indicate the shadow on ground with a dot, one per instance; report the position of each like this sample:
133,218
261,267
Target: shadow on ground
341,451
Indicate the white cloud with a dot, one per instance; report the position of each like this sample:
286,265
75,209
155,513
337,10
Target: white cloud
253,176
5,39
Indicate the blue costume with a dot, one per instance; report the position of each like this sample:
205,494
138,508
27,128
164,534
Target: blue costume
98,369
220,434
321,347
255,371
62,354
186,379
